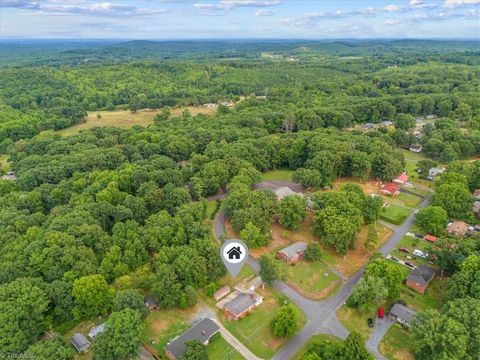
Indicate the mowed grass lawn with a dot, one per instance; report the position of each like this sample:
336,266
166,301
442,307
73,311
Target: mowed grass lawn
279,175
219,348
397,344
394,214
311,279
316,341
254,330
354,319
411,243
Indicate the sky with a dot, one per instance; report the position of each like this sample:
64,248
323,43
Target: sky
239,19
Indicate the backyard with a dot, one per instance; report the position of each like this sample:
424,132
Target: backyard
397,344
277,175
394,214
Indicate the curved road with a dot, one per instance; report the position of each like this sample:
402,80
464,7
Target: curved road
321,315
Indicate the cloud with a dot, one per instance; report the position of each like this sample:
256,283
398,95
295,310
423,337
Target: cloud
415,2
232,4
21,4
263,12
459,3
391,8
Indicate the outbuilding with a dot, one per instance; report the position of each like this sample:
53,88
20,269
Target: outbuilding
80,342
402,314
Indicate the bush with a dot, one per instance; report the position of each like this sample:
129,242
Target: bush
313,253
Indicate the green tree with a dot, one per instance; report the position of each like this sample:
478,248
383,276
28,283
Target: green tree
285,321
293,211
121,337
313,252
92,296
54,348
437,336
390,274
404,122
194,350
455,199
253,236
130,299
369,292
23,307
269,269
432,219
355,348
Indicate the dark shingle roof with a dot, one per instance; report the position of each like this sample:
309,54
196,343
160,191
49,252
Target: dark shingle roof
202,331
240,303
422,275
403,312
292,250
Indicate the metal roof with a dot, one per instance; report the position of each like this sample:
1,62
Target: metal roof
403,312
292,250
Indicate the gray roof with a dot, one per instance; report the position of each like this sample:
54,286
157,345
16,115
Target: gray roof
240,303
292,250
202,331
96,330
80,342
403,312
150,301
422,275
476,206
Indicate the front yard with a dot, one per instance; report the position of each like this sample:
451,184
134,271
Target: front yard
311,279
394,214
354,319
397,344
254,329
219,348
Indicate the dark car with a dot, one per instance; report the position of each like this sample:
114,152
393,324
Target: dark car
420,236
370,322
404,250
409,264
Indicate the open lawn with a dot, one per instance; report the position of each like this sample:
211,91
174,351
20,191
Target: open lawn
397,344
127,119
83,327
163,325
353,319
254,330
432,299
219,348
279,175
394,214
317,340
311,279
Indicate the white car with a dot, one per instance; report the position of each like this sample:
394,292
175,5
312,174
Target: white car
420,254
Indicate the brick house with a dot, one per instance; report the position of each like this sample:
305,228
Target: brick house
390,189
420,277
293,253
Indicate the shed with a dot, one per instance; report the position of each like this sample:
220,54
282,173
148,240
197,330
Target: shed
80,342
220,293
151,303
96,330
401,179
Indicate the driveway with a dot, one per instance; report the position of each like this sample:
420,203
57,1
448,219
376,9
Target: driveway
379,331
321,315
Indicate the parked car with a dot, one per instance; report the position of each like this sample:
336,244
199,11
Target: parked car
420,254
409,264
420,236
370,322
381,313
404,250
393,258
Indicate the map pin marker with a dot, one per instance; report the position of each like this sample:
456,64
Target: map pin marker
234,254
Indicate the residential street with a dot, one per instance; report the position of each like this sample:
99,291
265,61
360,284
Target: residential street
321,315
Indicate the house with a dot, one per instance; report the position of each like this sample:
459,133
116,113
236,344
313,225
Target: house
369,126
476,208
457,228
401,179
434,172
241,305
390,189
419,119
430,238
80,342
222,292
10,176
96,330
418,134
420,277
476,194
402,314
201,331
292,253
283,191
151,304
431,116
416,148
386,124
234,253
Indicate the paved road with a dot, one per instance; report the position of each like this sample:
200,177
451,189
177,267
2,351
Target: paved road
321,315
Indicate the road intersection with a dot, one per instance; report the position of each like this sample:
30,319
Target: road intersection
321,315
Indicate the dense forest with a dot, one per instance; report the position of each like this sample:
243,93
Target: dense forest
111,213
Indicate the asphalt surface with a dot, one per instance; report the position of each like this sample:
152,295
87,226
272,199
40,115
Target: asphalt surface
321,315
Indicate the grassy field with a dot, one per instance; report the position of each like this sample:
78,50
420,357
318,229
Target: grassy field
353,319
127,119
279,175
312,279
254,330
394,214
4,165
397,344
432,299
316,340
163,325
219,348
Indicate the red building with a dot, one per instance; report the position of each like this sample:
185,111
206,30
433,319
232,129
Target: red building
390,189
